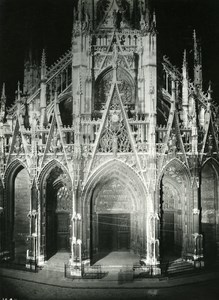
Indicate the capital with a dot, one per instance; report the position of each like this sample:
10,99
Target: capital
196,211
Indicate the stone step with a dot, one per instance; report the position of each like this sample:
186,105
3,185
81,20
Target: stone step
180,267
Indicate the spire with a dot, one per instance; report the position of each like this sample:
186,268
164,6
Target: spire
2,104
3,97
209,92
26,116
18,92
43,65
43,88
154,20
147,12
184,68
197,62
79,10
18,99
195,45
185,90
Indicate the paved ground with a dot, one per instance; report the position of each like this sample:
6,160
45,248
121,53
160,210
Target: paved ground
119,259
48,284
21,290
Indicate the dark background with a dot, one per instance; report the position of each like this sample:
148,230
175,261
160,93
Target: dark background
39,24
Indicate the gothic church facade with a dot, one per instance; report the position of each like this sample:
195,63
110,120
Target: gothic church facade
98,155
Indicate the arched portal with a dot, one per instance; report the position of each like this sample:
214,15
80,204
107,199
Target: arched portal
209,208
1,215
56,206
18,203
114,211
174,219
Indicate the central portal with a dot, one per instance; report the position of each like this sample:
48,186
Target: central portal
113,219
114,232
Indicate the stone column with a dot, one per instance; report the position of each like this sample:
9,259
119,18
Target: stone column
153,244
196,218
197,238
1,232
31,255
76,259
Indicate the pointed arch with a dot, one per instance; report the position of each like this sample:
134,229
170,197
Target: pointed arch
107,169
49,166
17,207
55,206
212,161
174,196
13,167
209,204
126,86
113,191
180,166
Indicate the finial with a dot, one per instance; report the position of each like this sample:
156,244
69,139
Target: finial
43,59
18,91
184,56
56,96
184,67
210,91
154,19
3,97
74,14
43,65
194,35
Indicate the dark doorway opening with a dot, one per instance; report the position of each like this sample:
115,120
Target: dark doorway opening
62,233
57,233
57,214
171,226
167,232
113,232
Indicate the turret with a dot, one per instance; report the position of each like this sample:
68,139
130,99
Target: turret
43,89
18,99
81,62
2,104
209,92
185,91
197,63
31,73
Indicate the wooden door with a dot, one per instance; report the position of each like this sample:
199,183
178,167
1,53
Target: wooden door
123,221
62,224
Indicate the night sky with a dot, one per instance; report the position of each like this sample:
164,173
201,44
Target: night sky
39,24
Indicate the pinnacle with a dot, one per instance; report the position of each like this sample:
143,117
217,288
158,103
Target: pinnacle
3,92
43,59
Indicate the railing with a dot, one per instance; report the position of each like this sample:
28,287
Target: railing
86,272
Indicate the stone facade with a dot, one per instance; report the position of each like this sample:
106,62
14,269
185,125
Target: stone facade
95,136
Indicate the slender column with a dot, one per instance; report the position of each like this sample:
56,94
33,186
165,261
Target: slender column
197,238
31,256
1,232
153,244
76,258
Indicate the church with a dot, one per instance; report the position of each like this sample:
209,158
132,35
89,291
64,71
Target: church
110,149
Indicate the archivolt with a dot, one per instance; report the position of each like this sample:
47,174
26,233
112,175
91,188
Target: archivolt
118,169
